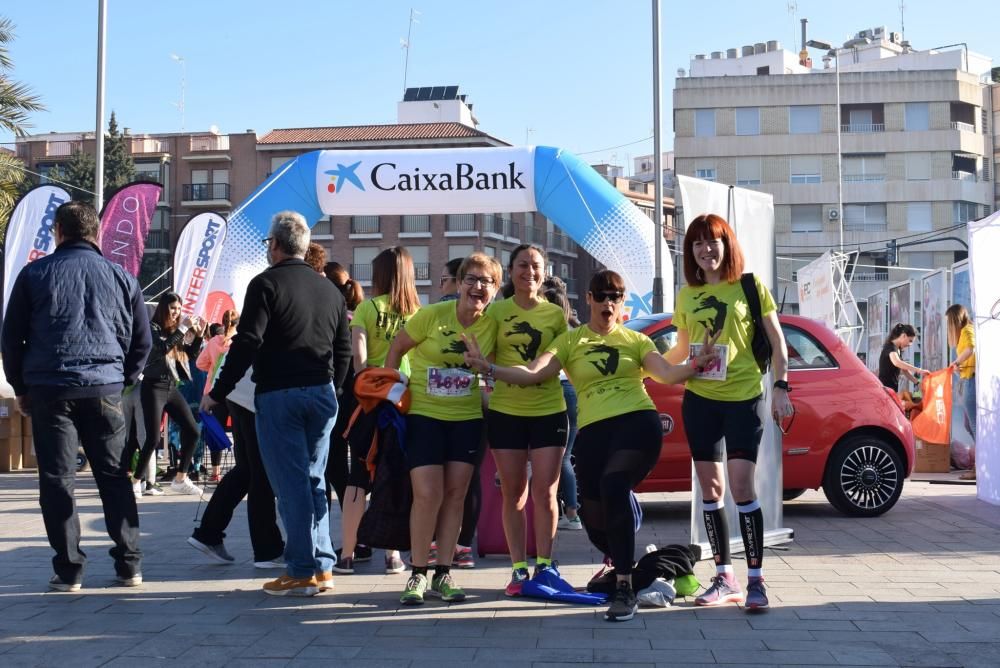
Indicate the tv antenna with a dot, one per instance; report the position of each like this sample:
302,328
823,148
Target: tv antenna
180,105
406,43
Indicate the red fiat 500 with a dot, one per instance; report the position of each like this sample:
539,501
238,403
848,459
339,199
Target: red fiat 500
849,434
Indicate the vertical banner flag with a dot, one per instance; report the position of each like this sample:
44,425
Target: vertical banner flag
984,240
816,297
876,327
196,256
933,325
125,222
29,232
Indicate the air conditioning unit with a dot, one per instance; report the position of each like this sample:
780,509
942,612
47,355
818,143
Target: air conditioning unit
834,214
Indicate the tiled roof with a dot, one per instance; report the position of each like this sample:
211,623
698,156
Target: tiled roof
367,133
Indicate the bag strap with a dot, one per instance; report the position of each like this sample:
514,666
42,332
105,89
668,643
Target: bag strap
753,299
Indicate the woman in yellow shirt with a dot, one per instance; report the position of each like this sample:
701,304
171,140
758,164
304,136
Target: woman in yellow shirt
962,337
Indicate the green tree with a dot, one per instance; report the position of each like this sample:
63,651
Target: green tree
119,169
79,175
17,102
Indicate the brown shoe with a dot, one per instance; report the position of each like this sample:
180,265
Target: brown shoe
289,586
324,581
968,475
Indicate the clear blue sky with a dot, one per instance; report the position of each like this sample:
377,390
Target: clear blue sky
578,73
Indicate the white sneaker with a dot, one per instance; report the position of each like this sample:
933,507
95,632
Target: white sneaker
277,562
574,524
153,489
185,486
137,489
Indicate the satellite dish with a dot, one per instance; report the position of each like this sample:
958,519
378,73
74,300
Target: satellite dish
214,129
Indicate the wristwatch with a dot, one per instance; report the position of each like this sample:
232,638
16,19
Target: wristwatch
782,385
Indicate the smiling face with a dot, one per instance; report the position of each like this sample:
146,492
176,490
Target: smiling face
173,314
477,287
527,272
708,255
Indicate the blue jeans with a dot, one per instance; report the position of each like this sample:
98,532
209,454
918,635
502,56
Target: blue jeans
567,481
969,404
293,426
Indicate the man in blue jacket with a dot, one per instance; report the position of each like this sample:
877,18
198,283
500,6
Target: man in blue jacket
76,333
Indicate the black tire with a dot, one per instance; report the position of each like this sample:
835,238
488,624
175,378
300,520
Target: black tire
792,494
864,476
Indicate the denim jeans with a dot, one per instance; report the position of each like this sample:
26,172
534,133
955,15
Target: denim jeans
567,481
969,404
293,426
97,424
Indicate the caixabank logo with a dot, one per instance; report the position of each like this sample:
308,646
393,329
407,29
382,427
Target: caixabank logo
343,173
388,177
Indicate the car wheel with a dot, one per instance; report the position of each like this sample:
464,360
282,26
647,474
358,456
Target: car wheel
792,494
864,476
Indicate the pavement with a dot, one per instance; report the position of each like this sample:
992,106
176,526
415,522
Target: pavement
919,586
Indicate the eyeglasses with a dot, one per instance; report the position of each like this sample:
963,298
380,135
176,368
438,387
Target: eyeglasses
602,296
445,279
471,280
266,241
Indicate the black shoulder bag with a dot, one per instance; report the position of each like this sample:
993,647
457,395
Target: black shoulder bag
760,344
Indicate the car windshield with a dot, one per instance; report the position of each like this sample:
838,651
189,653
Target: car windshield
642,322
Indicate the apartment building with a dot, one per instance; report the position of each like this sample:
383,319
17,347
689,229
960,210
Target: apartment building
910,157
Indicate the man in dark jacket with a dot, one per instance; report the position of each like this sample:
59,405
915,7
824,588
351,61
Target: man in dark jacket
76,333
293,329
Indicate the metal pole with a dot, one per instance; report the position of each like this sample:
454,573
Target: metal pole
840,158
657,169
102,26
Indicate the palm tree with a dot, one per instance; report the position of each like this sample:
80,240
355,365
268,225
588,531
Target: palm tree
16,103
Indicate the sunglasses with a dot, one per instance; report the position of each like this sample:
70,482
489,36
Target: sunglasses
603,296
471,280
266,240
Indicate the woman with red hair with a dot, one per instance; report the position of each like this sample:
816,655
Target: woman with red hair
720,404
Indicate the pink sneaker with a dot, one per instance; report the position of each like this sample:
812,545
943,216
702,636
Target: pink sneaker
724,589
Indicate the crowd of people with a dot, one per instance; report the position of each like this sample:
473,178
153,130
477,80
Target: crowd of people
495,368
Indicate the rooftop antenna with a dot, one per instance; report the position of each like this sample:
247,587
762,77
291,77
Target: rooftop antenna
180,105
793,11
527,132
902,23
405,43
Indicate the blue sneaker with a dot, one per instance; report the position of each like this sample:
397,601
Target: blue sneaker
756,596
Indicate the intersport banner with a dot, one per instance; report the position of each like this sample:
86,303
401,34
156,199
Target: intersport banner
29,232
196,256
125,222
549,180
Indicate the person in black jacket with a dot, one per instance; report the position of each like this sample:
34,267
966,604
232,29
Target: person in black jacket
174,340
76,334
293,329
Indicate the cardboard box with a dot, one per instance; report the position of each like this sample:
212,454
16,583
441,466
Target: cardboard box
10,453
28,460
932,458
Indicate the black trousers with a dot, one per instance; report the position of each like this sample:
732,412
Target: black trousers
98,424
157,396
248,479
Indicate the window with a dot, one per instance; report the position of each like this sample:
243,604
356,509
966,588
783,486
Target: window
918,166
490,250
704,122
805,169
864,168
748,171
276,163
461,222
460,250
199,176
365,225
807,218
415,224
918,216
864,217
322,228
705,169
803,120
963,212
220,176
917,116
664,339
805,352
748,121
919,259
361,268
421,262
147,171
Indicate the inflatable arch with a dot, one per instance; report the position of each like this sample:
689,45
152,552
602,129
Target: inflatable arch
551,181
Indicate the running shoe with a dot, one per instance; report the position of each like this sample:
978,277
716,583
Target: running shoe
463,558
722,590
153,489
344,566
185,486
137,489
623,603
215,477
570,524
324,581
517,579
756,596
393,564
217,553
277,562
288,586
58,584
362,553
443,587
416,586
541,569
128,580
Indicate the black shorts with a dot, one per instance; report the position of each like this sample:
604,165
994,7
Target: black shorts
519,432
709,421
597,444
432,442
358,475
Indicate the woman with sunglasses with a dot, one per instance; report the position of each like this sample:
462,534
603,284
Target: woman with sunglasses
720,405
620,434
527,424
445,423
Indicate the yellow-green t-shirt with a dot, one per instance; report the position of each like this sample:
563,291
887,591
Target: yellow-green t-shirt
381,324
521,337
723,306
966,340
606,370
441,385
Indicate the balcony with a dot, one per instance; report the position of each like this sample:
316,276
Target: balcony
570,286
422,271
876,276
866,226
361,272
533,235
964,176
158,239
149,145
55,149
862,128
864,178
561,243
210,143
461,222
365,225
963,127
415,225
205,194
501,227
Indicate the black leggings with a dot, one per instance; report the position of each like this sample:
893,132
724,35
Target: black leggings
156,397
612,457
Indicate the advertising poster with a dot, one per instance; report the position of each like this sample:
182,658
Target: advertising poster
816,296
901,311
961,290
876,329
934,338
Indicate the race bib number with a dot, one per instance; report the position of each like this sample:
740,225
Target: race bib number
449,382
717,368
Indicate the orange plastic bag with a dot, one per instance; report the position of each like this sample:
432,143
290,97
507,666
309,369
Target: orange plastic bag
933,423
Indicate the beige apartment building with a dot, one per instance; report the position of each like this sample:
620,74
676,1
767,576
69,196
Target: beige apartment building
910,160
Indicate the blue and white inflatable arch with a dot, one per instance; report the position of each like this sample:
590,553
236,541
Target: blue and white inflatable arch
551,181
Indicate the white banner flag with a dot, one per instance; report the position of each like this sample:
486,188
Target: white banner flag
195,258
816,294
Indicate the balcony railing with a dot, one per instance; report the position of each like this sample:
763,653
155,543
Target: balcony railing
570,285
461,222
864,178
422,270
210,143
501,226
870,276
963,176
415,224
963,127
361,272
364,225
862,127
867,226
158,239
205,192
533,235
559,241
147,145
